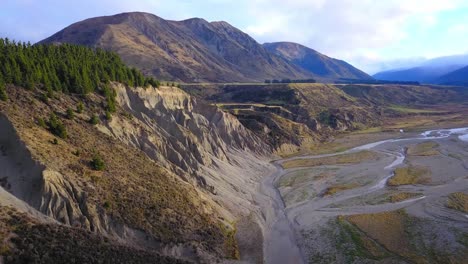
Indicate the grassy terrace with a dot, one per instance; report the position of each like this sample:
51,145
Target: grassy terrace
352,158
410,175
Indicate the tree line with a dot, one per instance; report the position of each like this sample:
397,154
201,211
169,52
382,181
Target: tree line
64,68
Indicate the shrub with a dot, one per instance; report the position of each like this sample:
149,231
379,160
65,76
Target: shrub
56,127
55,141
70,113
44,98
94,120
107,205
97,163
108,116
3,93
79,108
41,123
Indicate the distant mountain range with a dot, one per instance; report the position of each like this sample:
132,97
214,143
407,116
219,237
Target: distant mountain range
458,77
195,50
315,62
442,70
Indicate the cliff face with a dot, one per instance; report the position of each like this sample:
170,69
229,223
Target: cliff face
177,172
199,142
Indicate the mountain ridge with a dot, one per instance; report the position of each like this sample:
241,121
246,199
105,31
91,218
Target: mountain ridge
195,50
457,77
429,71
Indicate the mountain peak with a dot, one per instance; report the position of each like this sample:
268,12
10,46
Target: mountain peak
195,50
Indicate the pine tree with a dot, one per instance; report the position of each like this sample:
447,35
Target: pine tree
65,68
3,93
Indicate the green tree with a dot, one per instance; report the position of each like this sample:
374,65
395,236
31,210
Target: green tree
94,120
3,93
97,163
79,108
56,127
65,68
70,113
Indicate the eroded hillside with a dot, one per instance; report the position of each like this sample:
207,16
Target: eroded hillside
162,174
297,117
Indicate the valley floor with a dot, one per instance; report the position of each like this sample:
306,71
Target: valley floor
394,201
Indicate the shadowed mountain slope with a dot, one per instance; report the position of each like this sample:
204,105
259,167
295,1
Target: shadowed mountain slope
315,62
458,77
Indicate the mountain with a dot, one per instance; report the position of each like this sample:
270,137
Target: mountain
192,50
447,60
427,72
315,62
458,77
423,74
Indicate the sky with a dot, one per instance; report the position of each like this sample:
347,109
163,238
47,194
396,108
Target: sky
373,35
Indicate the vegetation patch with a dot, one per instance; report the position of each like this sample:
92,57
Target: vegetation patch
410,175
402,196
356,244
408,110
424,149
56,127
230,243
332,190
458,201
352,158
388,229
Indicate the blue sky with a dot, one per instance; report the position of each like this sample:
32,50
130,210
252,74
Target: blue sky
370,34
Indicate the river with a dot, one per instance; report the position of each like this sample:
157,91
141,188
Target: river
282,227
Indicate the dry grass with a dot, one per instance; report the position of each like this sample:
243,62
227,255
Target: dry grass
458,201
424,149
354,243
399,197
352,158
410,175
389,230
332,190
30,241
398,233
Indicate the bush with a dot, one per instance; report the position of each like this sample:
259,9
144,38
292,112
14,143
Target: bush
79,108
97,163
70,113
56,127
107,205
94,120
41,123
3,93
108,116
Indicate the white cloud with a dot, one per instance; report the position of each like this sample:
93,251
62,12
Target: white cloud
346,29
